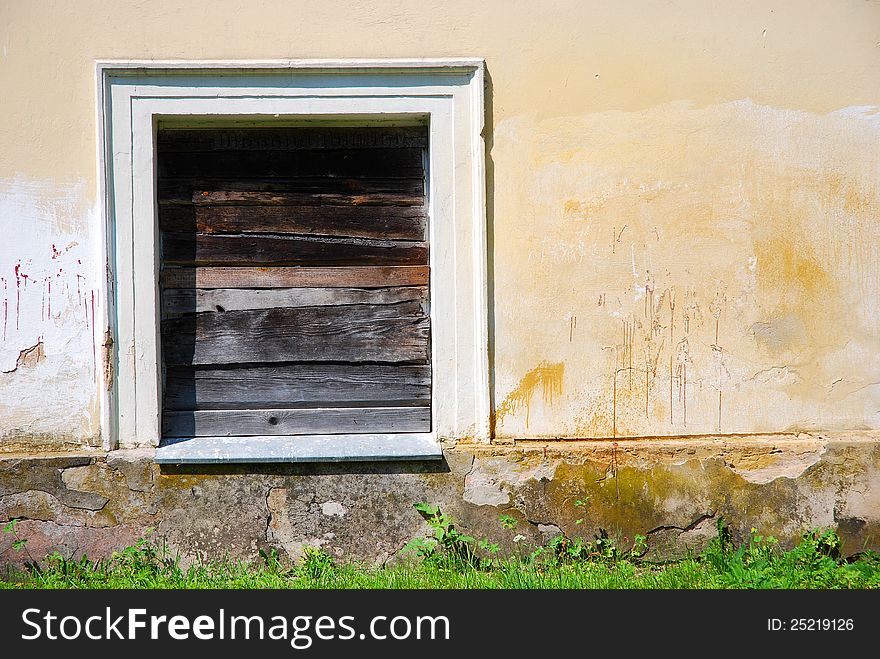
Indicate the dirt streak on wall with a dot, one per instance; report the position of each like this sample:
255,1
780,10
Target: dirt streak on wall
722,263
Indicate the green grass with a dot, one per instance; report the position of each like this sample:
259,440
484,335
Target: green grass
563,564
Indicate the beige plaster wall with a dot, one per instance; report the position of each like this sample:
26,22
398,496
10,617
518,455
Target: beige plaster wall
683,199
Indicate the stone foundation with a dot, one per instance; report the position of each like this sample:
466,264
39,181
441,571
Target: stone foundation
671,491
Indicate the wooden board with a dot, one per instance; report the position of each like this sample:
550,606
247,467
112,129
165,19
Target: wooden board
297,385
339,277
179,248
354,163
215,197
410,190
383,222
291,138
349,333
294,281
226,423
179,301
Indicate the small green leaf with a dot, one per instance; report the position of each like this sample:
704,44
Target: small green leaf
426,508
507,521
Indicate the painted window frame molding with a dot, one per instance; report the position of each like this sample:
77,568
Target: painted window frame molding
133,97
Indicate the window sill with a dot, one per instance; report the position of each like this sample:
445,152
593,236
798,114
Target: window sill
300,448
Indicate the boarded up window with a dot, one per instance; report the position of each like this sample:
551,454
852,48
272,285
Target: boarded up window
294,284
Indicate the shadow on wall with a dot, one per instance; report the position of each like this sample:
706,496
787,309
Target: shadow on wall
310,468
489,136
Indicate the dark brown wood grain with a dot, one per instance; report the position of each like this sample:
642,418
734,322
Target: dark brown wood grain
226,423
386,222
294,280
215,197
352,333
212,249
411,190
292,138
179,301
354,163
316,277
297,385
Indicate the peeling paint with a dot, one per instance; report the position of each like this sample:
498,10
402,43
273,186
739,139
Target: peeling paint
29,357
47,381
765,467
333,509
489,482
481,489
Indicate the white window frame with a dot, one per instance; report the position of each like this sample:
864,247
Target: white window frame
134,96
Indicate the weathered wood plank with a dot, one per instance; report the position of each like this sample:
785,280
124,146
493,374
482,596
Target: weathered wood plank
384,222
294,137
179,301
350,333
282,277
353,163
216,197
180,190
297,385
249,249
227,423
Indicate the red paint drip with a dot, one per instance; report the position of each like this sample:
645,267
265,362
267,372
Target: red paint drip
55,252
17,293
19,273
49,315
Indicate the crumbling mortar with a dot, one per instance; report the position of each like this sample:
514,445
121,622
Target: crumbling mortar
268,513
685,529
65,504
394,552
73,524
472,467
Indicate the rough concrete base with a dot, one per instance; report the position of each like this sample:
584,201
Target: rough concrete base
672,491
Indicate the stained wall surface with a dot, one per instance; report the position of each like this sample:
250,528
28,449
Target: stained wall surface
683,201
98,503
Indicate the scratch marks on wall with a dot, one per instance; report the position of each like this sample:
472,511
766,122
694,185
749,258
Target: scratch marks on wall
722,263
716,307
650,366
56,296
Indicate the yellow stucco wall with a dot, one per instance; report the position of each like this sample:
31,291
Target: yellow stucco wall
685,225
